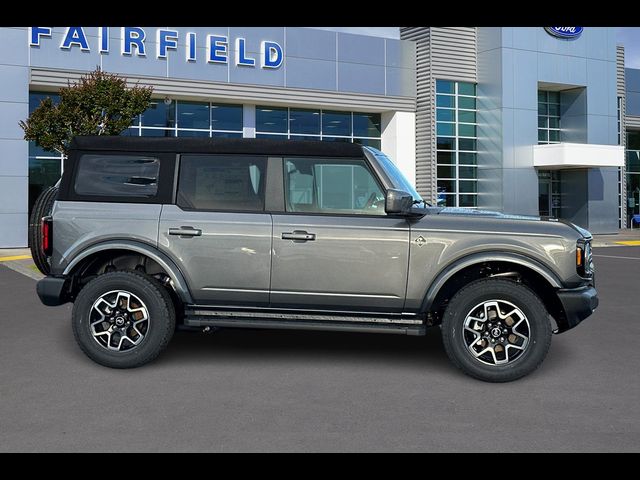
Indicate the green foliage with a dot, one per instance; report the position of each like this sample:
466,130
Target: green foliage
99,104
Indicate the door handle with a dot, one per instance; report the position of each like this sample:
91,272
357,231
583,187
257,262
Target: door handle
185,231
298,236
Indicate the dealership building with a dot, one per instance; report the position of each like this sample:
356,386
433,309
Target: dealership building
527,120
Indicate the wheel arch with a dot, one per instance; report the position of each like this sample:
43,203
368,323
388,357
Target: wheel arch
516,267
99,250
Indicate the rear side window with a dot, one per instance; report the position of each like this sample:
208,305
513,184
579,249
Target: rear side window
117,176
221,182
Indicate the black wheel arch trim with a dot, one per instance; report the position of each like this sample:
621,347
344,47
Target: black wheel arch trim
166,262
459,264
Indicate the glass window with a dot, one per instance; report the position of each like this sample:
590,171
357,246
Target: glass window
226,117
445,86
554,135
43,173
468,186
117,175
444,143
467,144
445,115
633,161
466,130
331,186
336,139
468,200
633,140
542,96
467,158
467,172
543,136
157,132
336,123
193,133
447,129
446,200
193,115
446,171
466,116
467,102
304,121
227,134
447,186
272,119
219,182
467,89
366,124
445,101
159,114
554,110
304,137
554,122
553,97
446,157
271,136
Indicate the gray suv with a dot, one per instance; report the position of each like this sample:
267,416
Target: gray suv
147,235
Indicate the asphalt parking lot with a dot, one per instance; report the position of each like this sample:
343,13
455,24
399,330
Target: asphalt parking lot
252,390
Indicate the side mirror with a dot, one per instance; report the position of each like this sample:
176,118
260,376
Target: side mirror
398,202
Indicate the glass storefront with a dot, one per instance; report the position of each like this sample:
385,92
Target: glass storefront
188,119
549,181
45,167
325,125
633,176
161,119
456,149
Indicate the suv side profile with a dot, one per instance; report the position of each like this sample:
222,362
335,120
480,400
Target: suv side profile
147,235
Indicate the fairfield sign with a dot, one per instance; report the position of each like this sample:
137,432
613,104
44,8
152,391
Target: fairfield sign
132,42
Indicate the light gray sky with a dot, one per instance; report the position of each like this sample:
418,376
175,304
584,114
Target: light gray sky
628,36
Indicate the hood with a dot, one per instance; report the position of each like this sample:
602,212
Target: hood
468,212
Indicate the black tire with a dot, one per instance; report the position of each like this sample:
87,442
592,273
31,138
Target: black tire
161,312
41,208
519,295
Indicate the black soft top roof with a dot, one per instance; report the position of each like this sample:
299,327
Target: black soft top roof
252,146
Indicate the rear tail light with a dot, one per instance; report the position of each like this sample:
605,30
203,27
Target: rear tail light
47,236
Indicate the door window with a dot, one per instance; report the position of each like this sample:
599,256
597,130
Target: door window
331,186
221,182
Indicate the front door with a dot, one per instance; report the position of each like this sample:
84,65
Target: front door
218,233
335,248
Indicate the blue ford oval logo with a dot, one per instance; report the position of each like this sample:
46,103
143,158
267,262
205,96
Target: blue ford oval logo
564,32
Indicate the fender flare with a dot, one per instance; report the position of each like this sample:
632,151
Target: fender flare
150,251
457,265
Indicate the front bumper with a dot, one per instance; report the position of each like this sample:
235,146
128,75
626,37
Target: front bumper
578,304
52,291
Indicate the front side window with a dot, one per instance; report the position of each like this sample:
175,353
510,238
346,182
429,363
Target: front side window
221,182
117,176
331,186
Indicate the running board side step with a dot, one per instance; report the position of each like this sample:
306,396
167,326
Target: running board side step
335,326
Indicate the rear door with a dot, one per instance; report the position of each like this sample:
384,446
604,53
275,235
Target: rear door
218,231
334,247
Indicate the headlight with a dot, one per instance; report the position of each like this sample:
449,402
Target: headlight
584,258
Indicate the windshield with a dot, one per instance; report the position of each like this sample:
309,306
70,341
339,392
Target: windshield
396,176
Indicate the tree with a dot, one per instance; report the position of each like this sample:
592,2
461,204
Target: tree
99,104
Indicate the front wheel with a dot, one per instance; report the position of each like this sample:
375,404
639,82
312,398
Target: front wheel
123,319
496,330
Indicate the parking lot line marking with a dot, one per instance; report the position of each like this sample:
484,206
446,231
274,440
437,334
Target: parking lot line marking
613,256
15,257
630,242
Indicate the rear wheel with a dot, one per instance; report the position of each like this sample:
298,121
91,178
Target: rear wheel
42,208
123,319
496,330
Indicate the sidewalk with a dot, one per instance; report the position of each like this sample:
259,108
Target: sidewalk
624,237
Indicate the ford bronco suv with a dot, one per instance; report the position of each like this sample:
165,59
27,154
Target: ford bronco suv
147,235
